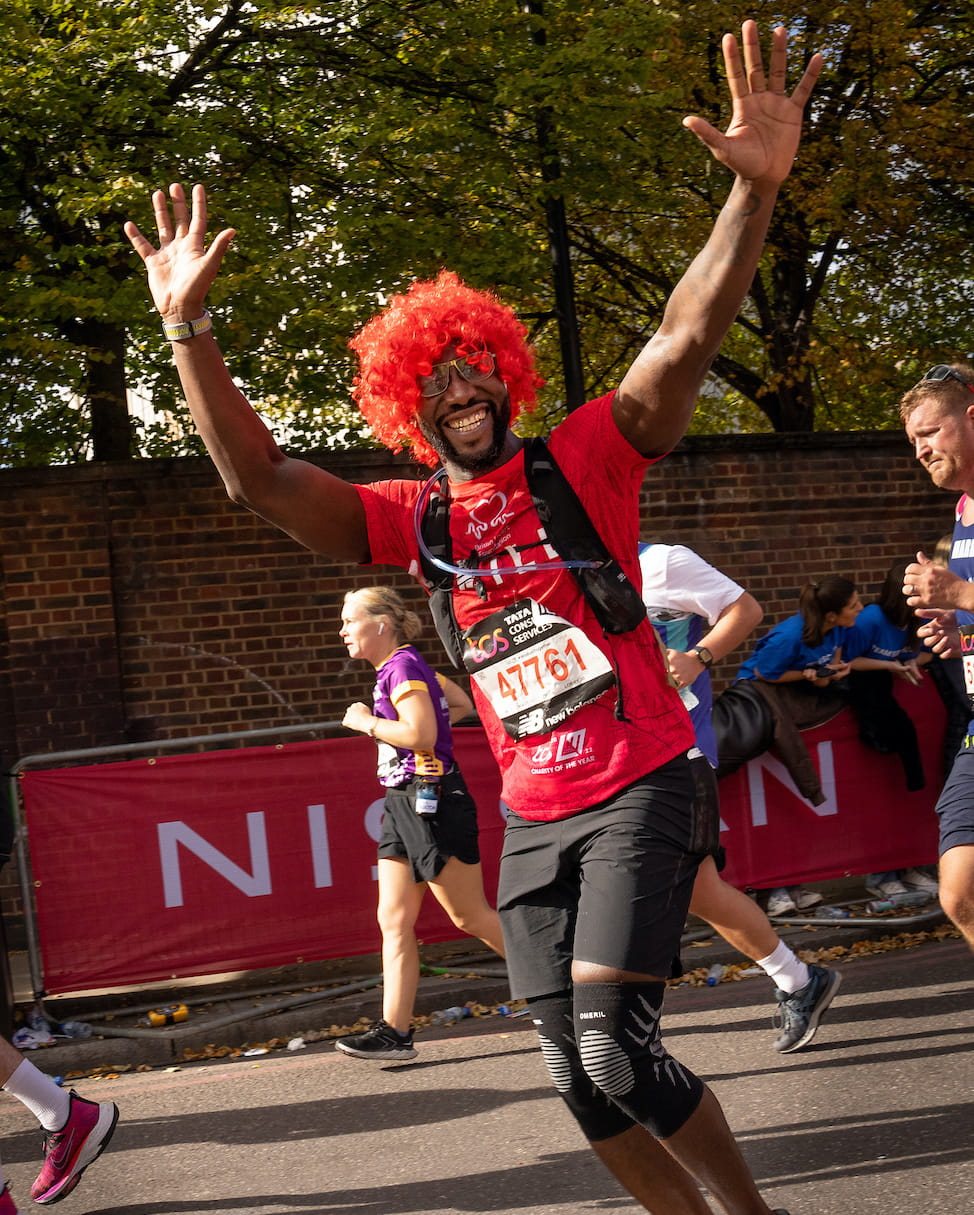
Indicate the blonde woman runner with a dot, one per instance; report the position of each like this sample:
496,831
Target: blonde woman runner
429,828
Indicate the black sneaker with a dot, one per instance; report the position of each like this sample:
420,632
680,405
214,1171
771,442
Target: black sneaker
379,1042
798,1015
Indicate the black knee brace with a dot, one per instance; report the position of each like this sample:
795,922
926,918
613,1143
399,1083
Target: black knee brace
617,1031
598,1117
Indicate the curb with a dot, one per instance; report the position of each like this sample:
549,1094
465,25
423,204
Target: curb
238,1019
223,1023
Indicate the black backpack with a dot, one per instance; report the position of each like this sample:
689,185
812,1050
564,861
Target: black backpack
614,600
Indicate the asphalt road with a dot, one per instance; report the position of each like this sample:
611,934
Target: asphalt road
875,1116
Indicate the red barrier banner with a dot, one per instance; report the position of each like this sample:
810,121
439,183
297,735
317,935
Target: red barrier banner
868,823
240,859
227,860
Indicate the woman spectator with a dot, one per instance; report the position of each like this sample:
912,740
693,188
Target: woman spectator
809,645
885,647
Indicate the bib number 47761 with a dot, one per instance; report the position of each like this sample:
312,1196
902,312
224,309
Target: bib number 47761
541,668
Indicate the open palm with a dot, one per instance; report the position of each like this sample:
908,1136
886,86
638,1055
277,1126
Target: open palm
181,270
765,126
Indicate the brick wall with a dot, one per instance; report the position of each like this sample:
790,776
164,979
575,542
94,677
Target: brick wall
138,603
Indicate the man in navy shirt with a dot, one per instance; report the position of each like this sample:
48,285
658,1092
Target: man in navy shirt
939,416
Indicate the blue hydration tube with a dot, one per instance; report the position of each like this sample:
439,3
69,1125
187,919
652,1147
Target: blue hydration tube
493,571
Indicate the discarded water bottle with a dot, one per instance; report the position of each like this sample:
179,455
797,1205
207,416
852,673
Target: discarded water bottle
447,1016
826,912
715,974
911,898
75,1029
908,898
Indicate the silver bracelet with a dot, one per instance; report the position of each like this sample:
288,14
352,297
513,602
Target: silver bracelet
188,329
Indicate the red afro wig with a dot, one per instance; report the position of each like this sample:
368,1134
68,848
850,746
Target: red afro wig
408,337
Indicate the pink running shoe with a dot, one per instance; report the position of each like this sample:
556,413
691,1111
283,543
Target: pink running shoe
70,1150
7,1204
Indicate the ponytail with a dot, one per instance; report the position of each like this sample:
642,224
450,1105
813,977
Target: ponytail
817,599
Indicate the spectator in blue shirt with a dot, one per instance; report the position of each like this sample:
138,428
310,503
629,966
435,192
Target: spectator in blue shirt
809,645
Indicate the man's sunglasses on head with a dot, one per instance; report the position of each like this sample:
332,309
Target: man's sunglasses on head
943,372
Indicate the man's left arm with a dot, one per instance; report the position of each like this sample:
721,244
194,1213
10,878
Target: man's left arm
658,394
736,622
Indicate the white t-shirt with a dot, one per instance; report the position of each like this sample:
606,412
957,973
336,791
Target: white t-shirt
685,597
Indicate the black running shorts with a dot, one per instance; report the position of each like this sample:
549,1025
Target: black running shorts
428,841
610,885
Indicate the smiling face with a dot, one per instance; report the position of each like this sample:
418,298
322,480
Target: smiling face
941,431
468,424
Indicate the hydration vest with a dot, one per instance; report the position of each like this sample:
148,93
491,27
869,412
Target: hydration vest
615,602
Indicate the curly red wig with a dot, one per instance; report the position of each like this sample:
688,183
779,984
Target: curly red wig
408,337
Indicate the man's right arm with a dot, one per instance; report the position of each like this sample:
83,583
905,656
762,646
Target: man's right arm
319,510
928,585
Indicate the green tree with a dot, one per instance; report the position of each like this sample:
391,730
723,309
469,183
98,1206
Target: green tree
99,104
357,145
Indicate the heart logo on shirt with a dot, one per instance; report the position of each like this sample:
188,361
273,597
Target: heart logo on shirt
488,513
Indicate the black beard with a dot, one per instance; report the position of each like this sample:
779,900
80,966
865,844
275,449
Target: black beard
484,462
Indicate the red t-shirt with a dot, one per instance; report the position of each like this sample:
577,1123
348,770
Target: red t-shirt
541,631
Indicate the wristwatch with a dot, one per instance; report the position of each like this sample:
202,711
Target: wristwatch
703,654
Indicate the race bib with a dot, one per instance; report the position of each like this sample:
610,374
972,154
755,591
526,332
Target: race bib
535,668
967,661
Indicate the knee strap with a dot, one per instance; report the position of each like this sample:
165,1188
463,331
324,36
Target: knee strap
619,1045
598,1117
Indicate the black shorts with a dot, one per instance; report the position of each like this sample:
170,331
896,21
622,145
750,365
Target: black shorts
428,841
955,806
610,885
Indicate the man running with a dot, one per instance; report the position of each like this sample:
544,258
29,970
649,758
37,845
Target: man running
591,739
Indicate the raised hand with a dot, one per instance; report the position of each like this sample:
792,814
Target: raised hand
765,127
181,270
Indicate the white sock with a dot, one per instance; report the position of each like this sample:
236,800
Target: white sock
49,1104
785,967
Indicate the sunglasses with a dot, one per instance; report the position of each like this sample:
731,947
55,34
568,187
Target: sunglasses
942,372
474,368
